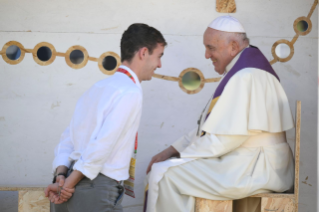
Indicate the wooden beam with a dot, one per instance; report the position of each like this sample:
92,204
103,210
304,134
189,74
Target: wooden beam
275,195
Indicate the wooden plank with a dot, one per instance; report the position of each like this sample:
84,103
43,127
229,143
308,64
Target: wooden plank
205,205
275,195
60,54
217,79
166,77
94,59
277,204
312,8
297,152
22,188
34,201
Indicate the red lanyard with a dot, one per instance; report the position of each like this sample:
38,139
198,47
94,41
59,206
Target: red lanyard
131,77
127,73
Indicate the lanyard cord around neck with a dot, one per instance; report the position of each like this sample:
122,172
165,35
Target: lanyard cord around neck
129,183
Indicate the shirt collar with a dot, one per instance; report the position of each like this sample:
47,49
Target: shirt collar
137,81
234,60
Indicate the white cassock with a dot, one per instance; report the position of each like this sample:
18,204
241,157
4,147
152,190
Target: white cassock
231,161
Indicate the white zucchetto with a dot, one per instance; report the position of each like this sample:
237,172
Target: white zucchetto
227,23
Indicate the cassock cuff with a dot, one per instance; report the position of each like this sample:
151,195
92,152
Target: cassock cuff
184,141
89,170
179,145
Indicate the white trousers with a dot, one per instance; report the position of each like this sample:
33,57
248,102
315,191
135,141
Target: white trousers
181,183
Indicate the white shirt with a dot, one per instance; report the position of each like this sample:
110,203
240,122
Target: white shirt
101,135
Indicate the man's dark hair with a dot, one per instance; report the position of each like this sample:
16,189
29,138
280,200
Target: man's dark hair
138,36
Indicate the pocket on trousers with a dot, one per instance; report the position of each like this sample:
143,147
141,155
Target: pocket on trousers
121,195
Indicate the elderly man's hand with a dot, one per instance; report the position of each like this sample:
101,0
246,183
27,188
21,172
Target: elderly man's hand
162,156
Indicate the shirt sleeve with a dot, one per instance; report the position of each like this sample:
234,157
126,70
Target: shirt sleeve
63,150
118,121
211,145
184,141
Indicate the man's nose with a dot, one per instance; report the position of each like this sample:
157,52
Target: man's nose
159,64
207,55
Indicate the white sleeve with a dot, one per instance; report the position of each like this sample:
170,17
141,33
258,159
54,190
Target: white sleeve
184,141
119,121
211,145
63,150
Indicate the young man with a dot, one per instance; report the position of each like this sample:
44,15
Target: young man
93,156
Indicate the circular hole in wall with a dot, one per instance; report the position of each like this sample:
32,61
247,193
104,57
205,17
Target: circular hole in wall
109,63
282,50
13,52
302,26
44,53
191,80
76,57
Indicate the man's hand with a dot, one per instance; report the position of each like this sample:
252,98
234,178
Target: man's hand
52,193
56,192
164,155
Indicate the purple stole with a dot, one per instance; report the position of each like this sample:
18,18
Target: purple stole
251,57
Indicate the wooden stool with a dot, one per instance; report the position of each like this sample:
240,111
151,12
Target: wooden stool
279,202
30,199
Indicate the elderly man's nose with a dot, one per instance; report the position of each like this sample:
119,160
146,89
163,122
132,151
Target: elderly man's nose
207,55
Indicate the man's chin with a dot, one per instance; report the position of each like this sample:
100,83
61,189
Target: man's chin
220,72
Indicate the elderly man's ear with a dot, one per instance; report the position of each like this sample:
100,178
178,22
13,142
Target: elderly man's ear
235,48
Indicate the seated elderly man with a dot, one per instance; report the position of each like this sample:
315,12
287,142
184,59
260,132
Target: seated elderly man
239,147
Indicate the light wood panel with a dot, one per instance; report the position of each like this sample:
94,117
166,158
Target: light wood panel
34,201
225,6
277,204
205,205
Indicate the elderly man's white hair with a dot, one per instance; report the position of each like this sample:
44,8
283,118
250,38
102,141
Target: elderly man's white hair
240,38
231,29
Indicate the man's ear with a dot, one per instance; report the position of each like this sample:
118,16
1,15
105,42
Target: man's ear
234,48
142,53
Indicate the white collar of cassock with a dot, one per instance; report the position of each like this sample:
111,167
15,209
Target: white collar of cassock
137,81
232,63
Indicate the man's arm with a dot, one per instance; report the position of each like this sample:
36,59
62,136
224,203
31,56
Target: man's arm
173,150
121,119
61,164
207,146
62,152
162,156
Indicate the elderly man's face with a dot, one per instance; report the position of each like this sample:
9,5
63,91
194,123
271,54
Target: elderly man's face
217,49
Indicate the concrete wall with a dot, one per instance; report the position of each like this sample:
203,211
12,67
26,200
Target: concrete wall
37,101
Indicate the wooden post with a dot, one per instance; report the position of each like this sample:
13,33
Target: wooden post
297,154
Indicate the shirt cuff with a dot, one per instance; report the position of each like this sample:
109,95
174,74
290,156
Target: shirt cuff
61,160
89,170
